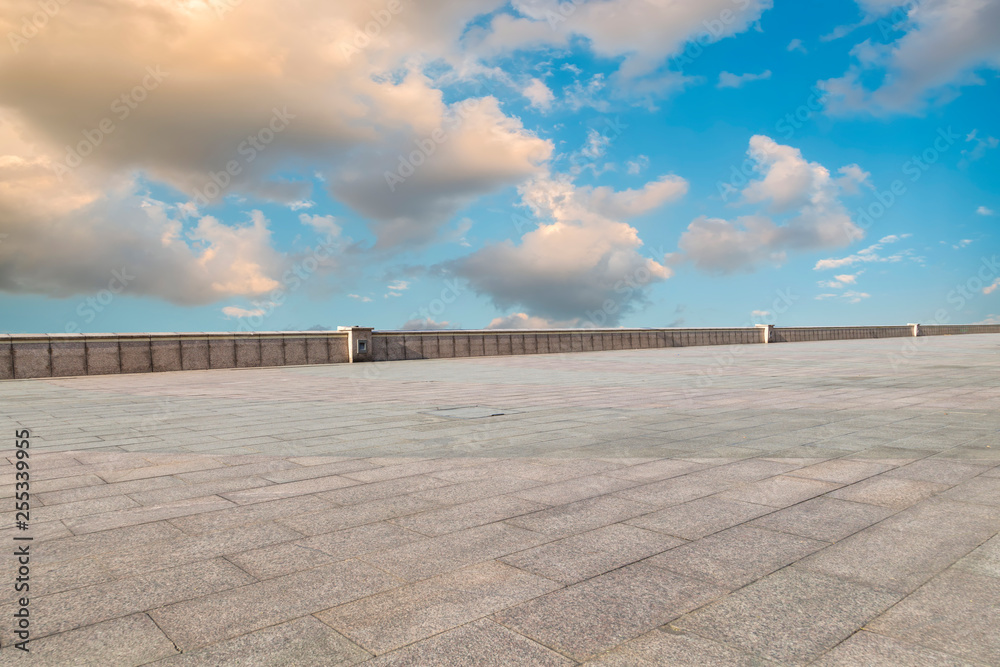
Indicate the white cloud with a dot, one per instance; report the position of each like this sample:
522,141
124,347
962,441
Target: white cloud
989,289
399,285
237,312
789,185
982,210
480,150
867,255
325,224
525,321
345,118
538,94
962,244
840,281
637,165
426,324
796,45
945,43
728,80
760,313
979,148
580,262
644,34
850,296
362,299
990,319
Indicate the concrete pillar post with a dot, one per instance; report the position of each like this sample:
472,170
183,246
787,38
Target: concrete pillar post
916,329
767,331
359,343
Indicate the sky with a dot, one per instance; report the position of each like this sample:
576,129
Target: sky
218,165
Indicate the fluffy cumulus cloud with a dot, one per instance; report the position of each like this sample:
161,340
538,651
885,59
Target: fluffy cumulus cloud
799,210
409,187
582,262
75,235
945,44
645,35
538,94
219,99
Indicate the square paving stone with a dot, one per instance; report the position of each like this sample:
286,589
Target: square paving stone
984,559
339,518
957,612
737,556
700,517
895,557
581,516
304,642
393,619
241,610
675,490
279,559
823,518
587,555
874,650
843,471
132,640
468,515
889,491
667,646
343,544
288,489
598,614
94,604
437,555
353,495
940,471
572,490
657,470
483,643
240,515
780,491
791,616
979,490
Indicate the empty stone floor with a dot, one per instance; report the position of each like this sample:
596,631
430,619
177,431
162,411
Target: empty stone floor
832,503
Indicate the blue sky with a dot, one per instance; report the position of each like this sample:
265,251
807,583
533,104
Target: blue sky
612,163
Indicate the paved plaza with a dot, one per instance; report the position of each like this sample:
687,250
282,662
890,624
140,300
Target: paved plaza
832,503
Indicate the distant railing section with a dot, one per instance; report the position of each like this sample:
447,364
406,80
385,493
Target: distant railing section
63,355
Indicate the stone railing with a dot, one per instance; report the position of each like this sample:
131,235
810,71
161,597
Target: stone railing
62,355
